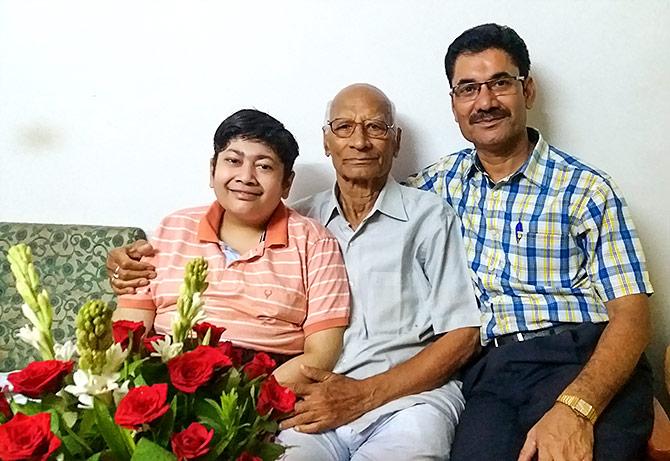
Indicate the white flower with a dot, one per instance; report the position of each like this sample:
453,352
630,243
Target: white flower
64,351
120,393
114,358
29,335
88,385
165,349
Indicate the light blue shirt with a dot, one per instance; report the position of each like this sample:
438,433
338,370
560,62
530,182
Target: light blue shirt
409,282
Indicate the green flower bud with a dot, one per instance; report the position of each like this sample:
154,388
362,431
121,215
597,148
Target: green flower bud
94,335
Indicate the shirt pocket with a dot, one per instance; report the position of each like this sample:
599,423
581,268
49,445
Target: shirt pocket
384,311
543,259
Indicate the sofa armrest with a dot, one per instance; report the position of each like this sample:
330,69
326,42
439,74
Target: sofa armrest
658,446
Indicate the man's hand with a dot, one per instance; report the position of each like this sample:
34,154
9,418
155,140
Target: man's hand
560,435
125,270
329,402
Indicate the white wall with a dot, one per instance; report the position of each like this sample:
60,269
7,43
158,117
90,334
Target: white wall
107,110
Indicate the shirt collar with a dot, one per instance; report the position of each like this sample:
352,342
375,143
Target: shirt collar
276,231
533,168
389,202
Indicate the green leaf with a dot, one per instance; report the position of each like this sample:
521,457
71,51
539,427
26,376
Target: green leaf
75,444
118,439
95,457
148,451
209,411
270,451
29,408
234,379
167,424
132,368
70,418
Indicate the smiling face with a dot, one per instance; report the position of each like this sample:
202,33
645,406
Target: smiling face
249,181
492,123
360,157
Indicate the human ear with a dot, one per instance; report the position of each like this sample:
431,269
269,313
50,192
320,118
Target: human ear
398,138
212,168
287,185
529,92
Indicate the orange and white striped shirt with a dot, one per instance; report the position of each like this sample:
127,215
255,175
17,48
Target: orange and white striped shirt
291,285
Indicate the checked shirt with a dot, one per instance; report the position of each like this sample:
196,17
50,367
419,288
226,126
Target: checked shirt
549,244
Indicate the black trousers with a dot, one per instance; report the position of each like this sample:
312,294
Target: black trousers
509,388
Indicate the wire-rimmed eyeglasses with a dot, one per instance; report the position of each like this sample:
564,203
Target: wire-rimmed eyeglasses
344,127
500,86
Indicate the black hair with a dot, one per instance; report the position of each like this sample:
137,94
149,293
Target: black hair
484,37
254,125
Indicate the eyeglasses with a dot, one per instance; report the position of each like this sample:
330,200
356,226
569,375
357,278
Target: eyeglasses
500,86
344,128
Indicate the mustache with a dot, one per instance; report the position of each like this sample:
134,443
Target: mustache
493,113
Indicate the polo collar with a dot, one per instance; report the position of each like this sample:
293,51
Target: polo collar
276,231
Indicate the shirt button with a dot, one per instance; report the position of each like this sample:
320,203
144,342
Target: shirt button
491,269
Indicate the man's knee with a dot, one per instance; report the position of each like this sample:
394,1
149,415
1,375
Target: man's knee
421,432
310,447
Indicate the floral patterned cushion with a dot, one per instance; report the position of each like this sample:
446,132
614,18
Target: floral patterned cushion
70,260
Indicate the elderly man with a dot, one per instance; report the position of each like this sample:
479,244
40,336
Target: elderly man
392,395
558,270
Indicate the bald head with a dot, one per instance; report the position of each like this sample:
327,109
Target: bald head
358,92
366,139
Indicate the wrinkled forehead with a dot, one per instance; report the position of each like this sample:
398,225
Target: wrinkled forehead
361,105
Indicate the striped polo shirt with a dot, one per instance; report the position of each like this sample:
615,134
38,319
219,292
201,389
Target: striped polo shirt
549,244
292,284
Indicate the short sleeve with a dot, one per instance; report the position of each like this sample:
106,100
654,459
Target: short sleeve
445,265
328,298
615,260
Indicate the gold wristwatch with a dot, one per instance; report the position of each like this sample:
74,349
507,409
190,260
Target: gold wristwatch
579,406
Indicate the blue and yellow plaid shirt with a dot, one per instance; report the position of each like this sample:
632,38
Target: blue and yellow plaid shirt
549,244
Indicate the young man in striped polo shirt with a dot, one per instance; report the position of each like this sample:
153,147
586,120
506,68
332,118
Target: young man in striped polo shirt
558,269
277,281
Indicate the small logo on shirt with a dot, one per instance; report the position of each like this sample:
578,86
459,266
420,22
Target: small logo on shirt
267,293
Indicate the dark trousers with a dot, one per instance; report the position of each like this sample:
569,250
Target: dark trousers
509,388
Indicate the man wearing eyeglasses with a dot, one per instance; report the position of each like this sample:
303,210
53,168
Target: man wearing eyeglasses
558,269
414,317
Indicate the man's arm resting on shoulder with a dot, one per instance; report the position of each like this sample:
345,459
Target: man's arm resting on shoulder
322,350
125,270
333,400
612,363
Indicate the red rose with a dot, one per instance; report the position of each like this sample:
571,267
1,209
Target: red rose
247,457
192,442
141,405
235,353
201,330
28,437
40,378
192,369
274,396
5,409
122,329
148,340
259,365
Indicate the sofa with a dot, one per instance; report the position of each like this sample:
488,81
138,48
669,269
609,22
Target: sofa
70,260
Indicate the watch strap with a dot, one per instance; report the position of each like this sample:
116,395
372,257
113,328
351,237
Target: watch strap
580,406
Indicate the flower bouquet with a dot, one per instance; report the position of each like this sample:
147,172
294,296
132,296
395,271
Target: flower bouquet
176,397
